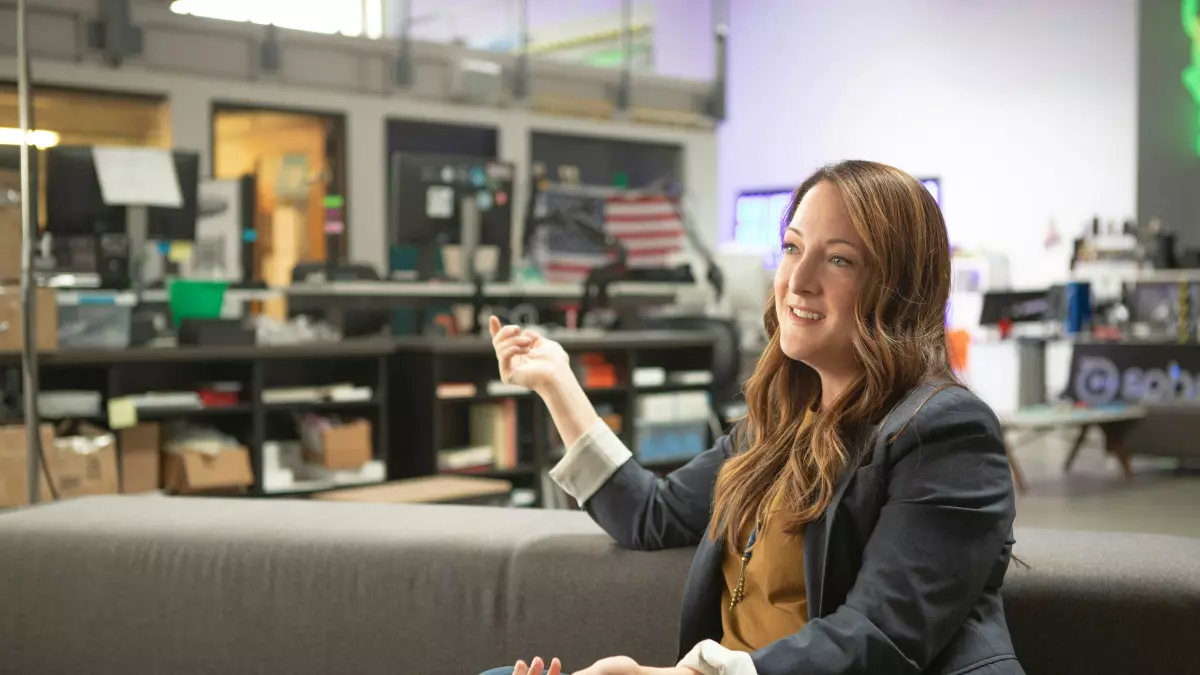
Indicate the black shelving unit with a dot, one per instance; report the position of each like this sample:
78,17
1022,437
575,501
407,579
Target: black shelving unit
410,423
431,423
118,373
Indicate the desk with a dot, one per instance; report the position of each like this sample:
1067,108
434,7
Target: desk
1112,421
417,294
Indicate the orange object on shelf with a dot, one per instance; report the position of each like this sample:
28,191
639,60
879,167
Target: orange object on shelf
958,344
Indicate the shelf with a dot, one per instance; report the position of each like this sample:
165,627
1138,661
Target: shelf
488,398
672,388
606,391
323,405
481,398
521,471
309,487
216,411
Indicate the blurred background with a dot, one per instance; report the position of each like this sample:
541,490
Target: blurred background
300,213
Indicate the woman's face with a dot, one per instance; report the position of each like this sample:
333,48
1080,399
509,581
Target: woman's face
818,281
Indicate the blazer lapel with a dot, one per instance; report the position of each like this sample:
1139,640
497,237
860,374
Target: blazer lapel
701,616
819,532
816,547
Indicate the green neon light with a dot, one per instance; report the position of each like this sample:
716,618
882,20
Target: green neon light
1191,74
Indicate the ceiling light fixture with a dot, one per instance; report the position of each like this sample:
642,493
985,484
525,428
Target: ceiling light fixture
39,138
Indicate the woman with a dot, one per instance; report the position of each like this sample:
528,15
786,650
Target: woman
859,519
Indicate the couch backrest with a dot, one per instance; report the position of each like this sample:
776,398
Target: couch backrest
117,585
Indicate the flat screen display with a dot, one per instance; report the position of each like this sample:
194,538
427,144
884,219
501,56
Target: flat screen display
758,218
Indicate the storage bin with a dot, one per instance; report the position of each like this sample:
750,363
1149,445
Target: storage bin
195,299
666,442
94,319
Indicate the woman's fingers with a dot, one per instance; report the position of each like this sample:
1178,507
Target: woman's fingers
518,342
537,667
499,333
507,353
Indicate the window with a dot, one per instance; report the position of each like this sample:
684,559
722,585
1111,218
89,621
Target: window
357,17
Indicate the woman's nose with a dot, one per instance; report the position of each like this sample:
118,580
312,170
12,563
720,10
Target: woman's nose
803,280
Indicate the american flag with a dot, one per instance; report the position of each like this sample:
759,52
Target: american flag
648,227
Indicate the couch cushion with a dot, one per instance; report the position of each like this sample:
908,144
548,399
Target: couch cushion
1098,602
119,585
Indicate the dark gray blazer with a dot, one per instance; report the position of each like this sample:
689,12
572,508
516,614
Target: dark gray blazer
904,568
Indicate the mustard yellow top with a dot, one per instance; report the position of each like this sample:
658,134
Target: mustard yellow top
774,602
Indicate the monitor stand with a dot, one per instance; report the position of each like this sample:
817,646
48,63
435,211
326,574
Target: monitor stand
470,226
137,228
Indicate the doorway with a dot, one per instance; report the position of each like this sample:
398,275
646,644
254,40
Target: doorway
298,158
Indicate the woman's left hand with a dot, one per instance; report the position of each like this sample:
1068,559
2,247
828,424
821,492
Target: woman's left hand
623,665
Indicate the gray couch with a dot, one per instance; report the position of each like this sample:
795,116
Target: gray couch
130,585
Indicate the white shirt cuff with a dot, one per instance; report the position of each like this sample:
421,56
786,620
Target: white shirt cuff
711,658
590,462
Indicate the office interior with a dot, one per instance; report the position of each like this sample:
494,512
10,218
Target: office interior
265,244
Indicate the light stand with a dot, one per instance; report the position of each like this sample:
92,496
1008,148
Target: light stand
29,363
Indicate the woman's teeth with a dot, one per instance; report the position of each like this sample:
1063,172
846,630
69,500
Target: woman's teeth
808,315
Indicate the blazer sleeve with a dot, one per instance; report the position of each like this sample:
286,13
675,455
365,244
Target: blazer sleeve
634,506
945,524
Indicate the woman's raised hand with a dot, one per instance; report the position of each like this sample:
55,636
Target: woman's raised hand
526,358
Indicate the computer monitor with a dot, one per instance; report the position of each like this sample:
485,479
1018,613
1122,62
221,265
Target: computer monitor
75,204
425,205
179,224
758,221
758,217
934,185
1016,306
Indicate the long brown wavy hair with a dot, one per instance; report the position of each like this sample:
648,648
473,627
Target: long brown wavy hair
899,340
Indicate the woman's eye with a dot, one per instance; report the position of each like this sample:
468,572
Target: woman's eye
840,261
789,249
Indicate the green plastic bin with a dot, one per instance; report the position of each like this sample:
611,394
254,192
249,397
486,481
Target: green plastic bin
195,299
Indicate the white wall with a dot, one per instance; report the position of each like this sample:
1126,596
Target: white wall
1025,108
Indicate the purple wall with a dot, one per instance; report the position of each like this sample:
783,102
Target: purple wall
683,43
1026,109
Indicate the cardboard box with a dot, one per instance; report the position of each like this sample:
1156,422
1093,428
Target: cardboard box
14,467
141,465
191,472
12,319
84,463
10,179
10,243
346,446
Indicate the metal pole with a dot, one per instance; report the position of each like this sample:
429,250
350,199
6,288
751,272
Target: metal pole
521,76
625,85
715,107
403,75
29,364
